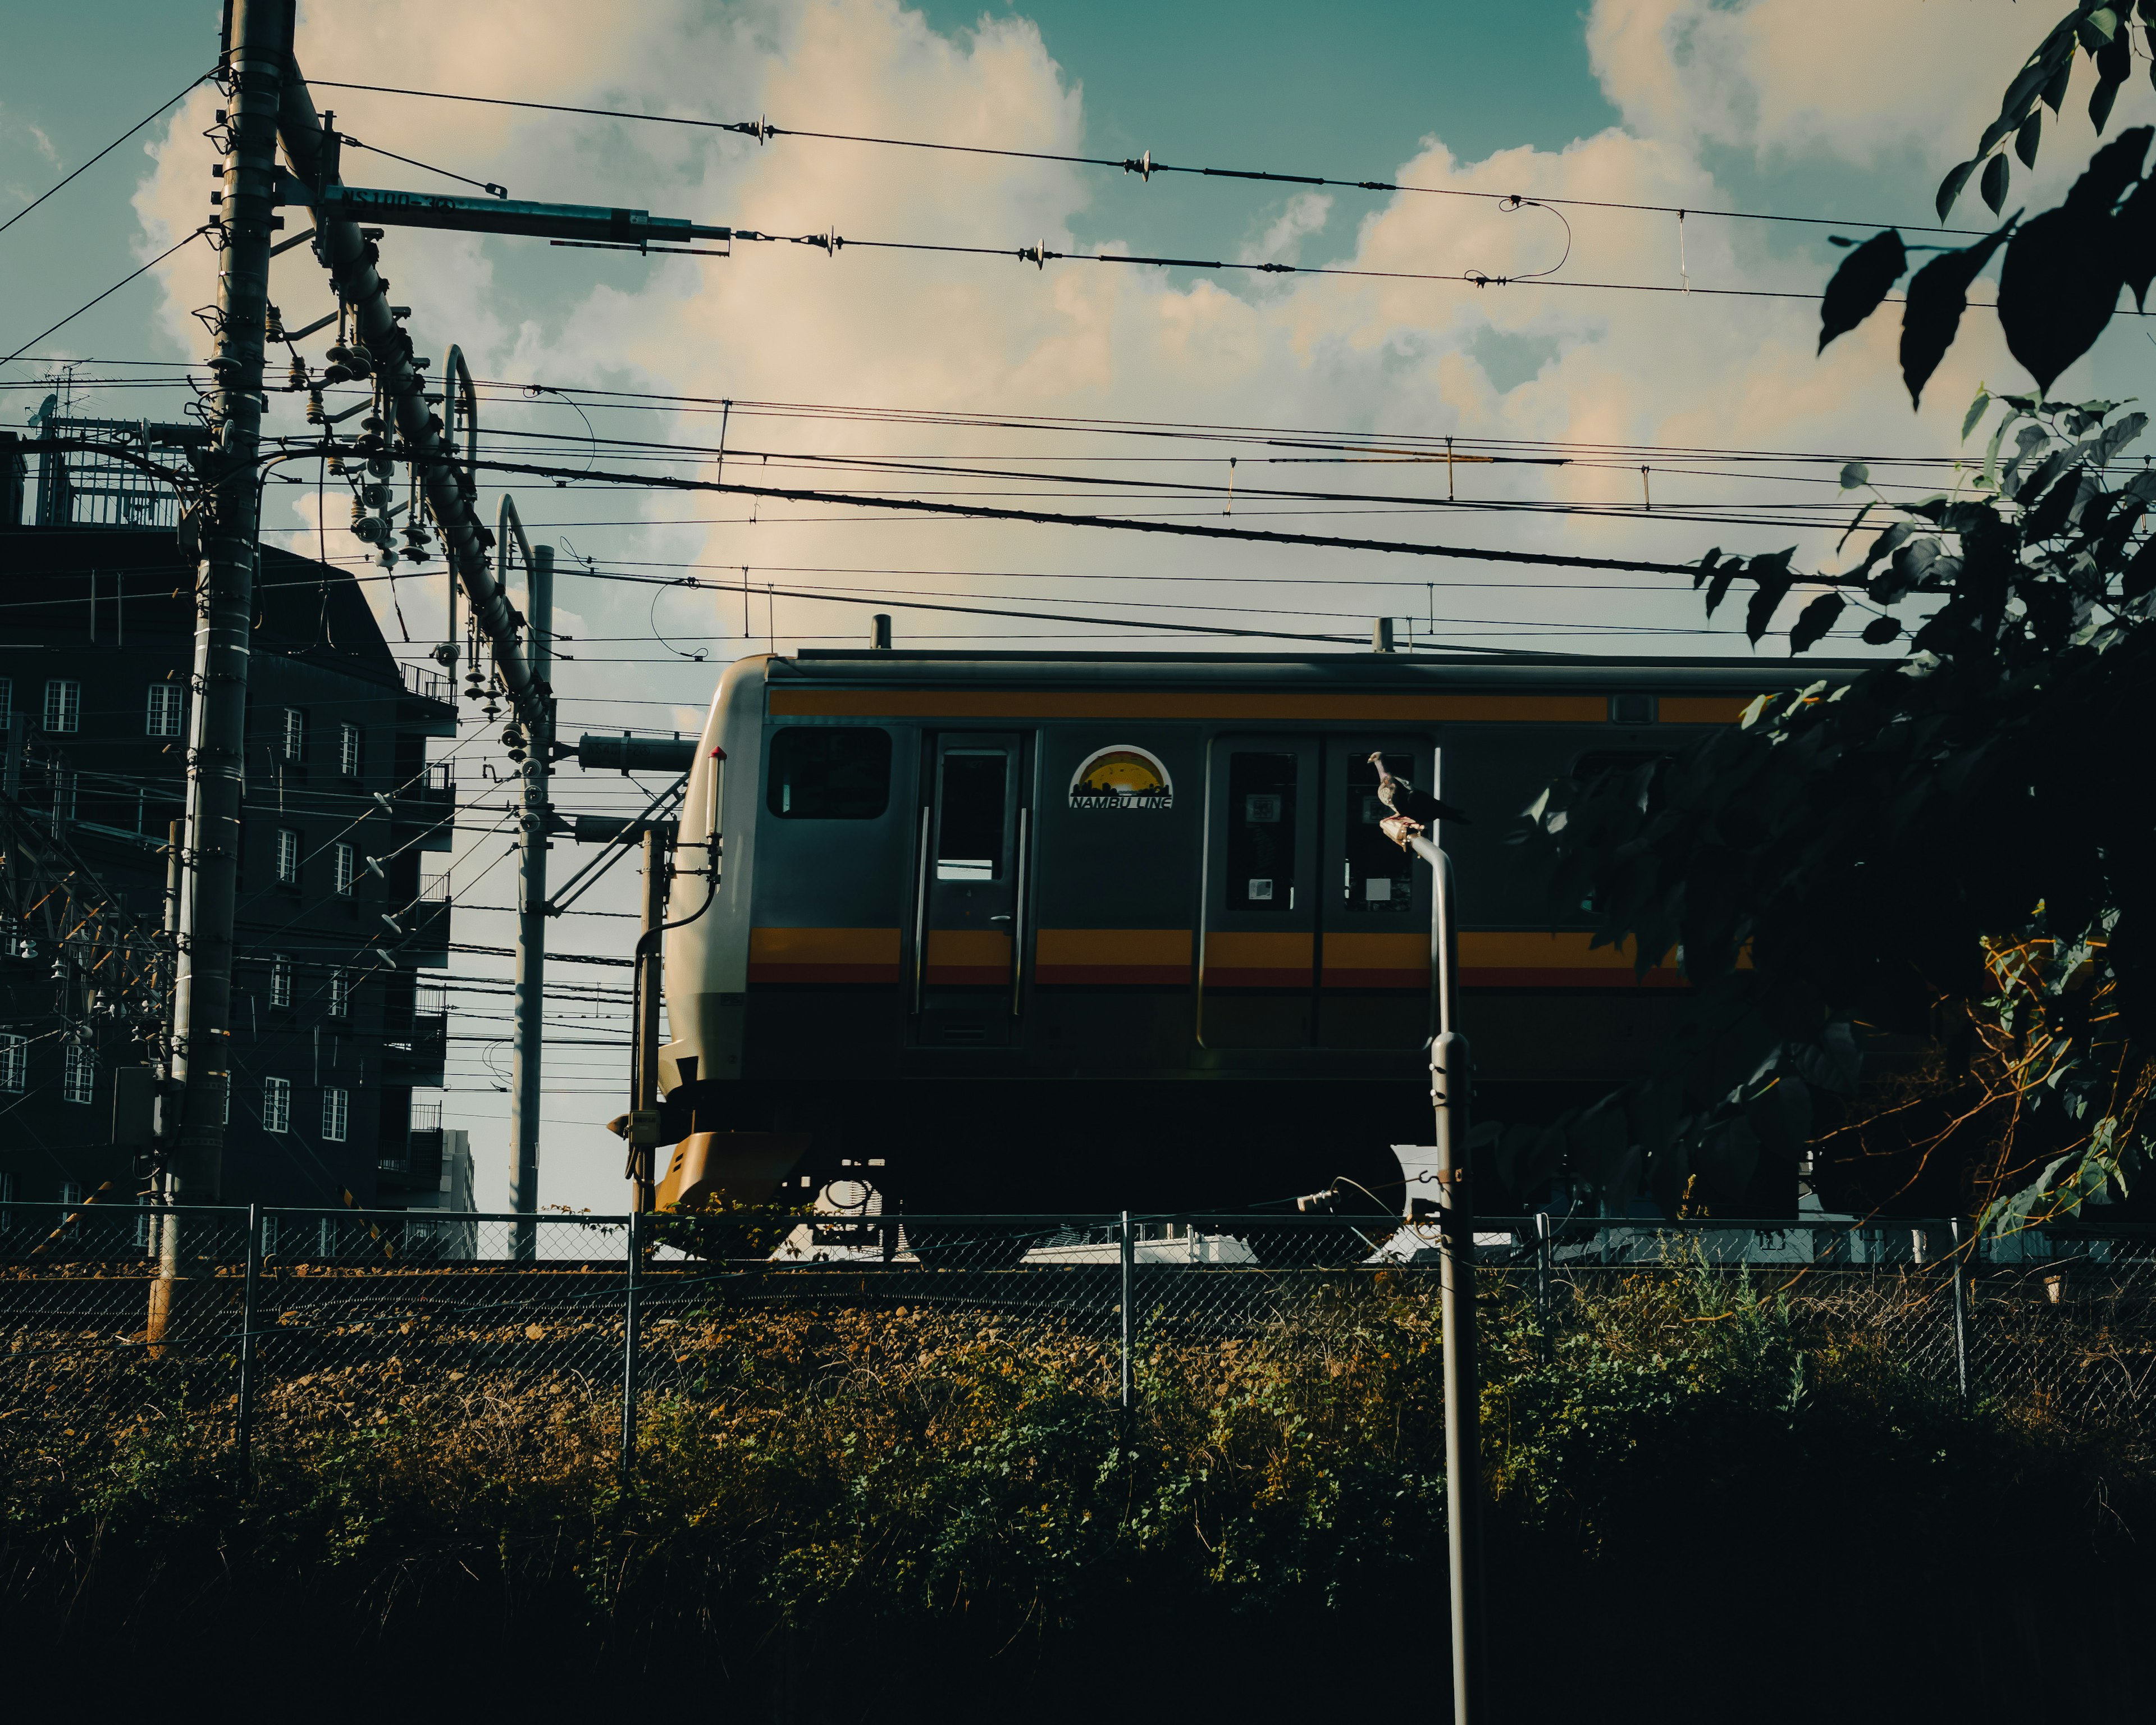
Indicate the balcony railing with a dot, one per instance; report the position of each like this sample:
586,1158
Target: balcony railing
427,685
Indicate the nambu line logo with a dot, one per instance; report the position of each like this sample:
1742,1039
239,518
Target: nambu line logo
1121,776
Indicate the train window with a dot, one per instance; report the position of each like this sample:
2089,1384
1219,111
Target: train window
970,837
1261,832
1377,877
820,773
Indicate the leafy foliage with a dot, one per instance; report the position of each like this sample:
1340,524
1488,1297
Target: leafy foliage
1940,844
1941,848
861,1500
2100,31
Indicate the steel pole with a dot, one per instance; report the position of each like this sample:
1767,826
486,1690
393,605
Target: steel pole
167,1241
1449,1082
1961,1309
529,1008
644,1104
631,1336
242,1442
259,55
1124,1238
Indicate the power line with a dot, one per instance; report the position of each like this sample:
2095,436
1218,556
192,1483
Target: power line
100,156
1185,529
109,292
1143,166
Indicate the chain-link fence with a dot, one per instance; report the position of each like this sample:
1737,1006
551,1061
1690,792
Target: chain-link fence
286,1325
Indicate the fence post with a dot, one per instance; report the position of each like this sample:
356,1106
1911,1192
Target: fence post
1128,1258
1545,1250
631,1318
244,1433
1961,1309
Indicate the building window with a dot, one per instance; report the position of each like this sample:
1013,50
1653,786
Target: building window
336,1113
143,1214
64,779
288,856
14,1061
71,1192
295,734
280,980
276,1105
78,1080
348,750
161,718
7,702
348,869
340,995
62,705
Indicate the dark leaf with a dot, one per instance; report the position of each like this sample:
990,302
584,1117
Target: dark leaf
2114,63
1855,474
1881,630
2115,437
2055,91
1855,525
1706,567
2049,517
1886,544
2026,140
1997,175
2134,230
2034,484
2149,31
2111,170
2097,26
2057,289
1950,187
1815,620
1861,283
1938,294
2140,574
1974,417
1760,613
1720,589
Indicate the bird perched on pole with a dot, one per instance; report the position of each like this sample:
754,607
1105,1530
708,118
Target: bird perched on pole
1413,811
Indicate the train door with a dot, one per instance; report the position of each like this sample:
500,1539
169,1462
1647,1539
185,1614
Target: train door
1316,928
1257,963
1374,970
970,890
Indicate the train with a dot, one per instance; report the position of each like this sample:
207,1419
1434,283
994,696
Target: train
1031,933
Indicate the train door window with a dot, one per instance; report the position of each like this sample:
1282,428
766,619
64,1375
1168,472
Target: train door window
967,912
969,843
1257,948
1261,831
1377,877
1374,970
830,772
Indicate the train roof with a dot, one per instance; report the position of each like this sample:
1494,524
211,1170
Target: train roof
869,667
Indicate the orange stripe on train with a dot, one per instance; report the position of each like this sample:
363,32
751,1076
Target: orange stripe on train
824,955
1228,705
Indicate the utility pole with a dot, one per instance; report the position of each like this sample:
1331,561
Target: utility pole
529,1009
1449,1077
258,54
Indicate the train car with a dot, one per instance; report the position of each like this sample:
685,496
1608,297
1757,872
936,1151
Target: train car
1021,932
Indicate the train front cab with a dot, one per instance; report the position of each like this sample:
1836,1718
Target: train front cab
1003,937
